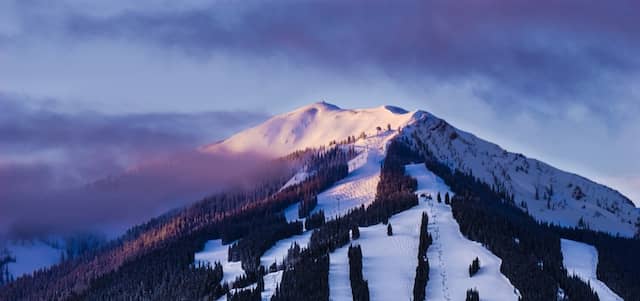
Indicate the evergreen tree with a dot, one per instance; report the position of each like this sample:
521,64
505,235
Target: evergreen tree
447,200
439,198
472,295
474,267
359,286
355,232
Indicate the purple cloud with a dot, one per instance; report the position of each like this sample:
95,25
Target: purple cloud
62,172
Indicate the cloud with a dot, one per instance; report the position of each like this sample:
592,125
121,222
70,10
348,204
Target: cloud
531,54
113,204
553,47
50,162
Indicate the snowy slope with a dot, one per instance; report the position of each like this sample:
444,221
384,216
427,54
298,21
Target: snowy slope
582,260
359,187
389,262
451,253
339,283
562,198
309,127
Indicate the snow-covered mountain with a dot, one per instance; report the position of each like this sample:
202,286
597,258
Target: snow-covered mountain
312,126
547,193
517,256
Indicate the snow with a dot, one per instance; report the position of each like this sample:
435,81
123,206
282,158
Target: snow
271,282
279,251
359,187
389,262
311,126
214,251
31,256
298,178
291,213
339,282
601,207
451,253
581,259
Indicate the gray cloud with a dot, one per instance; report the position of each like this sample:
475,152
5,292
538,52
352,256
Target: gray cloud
559,47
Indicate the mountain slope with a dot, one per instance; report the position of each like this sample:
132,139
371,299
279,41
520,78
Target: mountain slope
547,193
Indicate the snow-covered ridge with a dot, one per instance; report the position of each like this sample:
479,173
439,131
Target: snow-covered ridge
547,193
312,126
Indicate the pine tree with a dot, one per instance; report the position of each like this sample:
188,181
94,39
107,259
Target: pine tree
439,198
472,295
474,267
355,232
447,200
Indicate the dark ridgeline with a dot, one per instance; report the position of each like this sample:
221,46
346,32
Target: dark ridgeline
422,270
155,260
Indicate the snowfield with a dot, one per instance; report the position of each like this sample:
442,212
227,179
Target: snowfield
581,259
451,253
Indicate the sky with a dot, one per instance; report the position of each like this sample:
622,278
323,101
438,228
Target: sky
90,88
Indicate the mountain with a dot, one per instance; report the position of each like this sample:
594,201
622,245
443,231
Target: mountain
382,204
311,126
547,193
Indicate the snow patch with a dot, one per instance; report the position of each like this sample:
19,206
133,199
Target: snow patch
214,251
581,259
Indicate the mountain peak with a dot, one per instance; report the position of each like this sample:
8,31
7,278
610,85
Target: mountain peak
395,110
314,125
319,106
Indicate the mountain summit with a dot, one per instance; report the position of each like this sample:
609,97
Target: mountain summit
312,126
